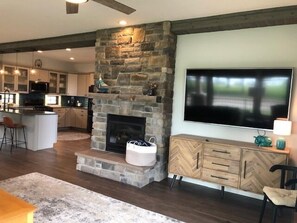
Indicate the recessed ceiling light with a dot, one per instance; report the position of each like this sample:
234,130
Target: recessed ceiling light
71,58
123,22
68,49
39,51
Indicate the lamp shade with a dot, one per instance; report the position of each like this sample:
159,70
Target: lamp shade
282,127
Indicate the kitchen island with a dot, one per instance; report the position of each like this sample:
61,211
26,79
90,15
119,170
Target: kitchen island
41,127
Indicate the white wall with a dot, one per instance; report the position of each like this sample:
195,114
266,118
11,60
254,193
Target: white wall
258,47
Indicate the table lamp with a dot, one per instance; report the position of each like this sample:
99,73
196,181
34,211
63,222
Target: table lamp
281,127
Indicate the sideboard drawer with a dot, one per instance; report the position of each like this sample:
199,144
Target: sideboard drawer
222,151
214,163
220,177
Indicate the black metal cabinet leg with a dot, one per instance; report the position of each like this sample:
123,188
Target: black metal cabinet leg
222,191
173,181
180,179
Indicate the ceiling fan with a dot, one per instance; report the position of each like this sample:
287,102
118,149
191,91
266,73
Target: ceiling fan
72,6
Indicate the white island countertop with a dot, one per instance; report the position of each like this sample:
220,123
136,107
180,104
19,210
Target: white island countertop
41,127
26,111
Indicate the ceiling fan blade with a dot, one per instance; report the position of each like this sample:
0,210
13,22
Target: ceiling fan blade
71,8
116,5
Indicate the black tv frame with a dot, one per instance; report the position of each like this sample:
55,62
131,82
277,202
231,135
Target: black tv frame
213,114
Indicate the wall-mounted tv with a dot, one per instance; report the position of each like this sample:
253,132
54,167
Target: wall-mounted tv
251,98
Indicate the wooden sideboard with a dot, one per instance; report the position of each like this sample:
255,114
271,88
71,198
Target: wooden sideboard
240,165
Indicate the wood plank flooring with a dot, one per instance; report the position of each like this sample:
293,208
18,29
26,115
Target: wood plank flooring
186,202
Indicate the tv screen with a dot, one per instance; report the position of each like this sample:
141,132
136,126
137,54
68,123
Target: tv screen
251,98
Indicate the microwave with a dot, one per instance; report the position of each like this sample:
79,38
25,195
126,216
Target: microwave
38,87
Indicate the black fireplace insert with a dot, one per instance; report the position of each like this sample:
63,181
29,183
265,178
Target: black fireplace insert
121,129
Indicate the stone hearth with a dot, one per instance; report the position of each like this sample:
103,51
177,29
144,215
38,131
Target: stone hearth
129,60
113,166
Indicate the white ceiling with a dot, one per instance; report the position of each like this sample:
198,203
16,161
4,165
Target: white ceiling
35,19
80,55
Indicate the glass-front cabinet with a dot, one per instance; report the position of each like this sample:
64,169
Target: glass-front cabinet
62,83
58,83
9,78
15,78
22,80
53,88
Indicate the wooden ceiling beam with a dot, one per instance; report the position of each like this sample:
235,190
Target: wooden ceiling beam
241,20
52,43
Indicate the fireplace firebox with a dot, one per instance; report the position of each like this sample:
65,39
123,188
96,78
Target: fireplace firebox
121,129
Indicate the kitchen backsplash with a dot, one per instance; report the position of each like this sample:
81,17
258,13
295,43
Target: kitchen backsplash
75,101
39,99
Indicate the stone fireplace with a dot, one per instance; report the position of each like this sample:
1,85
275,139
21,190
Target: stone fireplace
130,60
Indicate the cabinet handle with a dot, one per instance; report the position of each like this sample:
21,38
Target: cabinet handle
220,151
197,164
222,178
244,169
220,164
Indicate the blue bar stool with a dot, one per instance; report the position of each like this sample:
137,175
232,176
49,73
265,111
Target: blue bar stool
13,127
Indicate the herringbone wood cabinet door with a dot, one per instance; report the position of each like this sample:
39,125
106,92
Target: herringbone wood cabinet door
185,157
255,172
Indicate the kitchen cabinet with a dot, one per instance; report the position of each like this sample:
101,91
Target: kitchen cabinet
39,75
255,172
62,81
15,82
61,116
72,84
58,82
72,117
69,117
235,164
81,83
81,116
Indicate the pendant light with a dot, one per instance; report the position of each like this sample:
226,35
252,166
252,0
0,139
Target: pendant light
16,71
1,64
33,71
77,1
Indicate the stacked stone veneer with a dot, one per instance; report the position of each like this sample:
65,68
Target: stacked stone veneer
129,60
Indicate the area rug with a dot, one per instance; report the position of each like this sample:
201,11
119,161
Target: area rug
69,136
59,201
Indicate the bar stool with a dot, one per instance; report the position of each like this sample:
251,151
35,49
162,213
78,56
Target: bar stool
13,127
2,124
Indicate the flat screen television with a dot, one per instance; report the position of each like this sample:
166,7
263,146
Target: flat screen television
251,98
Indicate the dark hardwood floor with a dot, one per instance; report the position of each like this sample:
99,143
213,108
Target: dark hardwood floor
186,202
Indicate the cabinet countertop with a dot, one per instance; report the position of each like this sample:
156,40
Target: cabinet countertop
26,112
57,107
247,145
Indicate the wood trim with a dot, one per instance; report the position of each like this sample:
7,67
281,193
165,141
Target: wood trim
241,20
60,42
